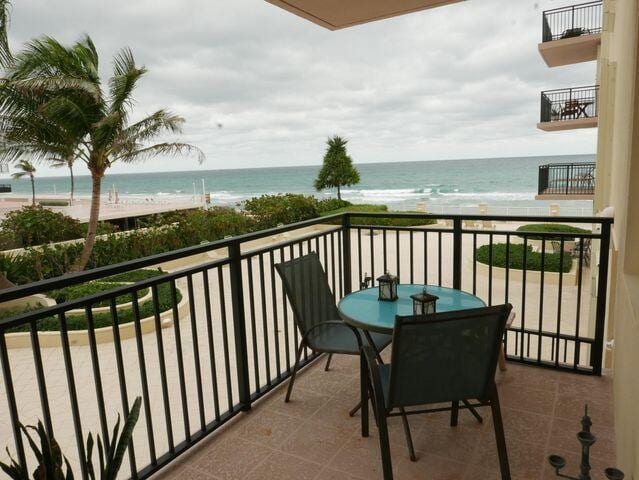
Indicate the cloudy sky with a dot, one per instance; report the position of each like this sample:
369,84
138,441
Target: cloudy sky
461,81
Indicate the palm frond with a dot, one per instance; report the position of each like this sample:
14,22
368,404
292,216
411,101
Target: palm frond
160,149
6,58
122,83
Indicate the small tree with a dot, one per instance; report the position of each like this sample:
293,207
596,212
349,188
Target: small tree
338,170
26,168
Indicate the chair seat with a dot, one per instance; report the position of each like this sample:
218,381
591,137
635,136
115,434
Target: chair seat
336,338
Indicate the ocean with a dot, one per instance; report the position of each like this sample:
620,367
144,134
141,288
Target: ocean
503,183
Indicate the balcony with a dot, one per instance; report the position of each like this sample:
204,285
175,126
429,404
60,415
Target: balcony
571,34
566,181
569,109
225,342
336,15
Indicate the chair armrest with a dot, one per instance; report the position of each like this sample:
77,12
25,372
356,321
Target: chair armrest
335,322
373,380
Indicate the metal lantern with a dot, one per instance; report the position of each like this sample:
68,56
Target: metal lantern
388,287
424,303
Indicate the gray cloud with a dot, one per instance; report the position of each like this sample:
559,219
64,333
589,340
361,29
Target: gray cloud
454,82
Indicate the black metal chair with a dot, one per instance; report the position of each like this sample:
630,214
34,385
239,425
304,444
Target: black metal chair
316,315
442,358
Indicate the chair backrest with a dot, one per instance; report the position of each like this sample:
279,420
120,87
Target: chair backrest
307,288
447,356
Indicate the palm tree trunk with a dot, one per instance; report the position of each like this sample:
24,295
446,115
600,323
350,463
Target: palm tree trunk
72,183
32,189
94,215
339,194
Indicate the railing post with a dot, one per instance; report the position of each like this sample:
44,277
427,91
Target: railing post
457,253
602,294
239,327
346,233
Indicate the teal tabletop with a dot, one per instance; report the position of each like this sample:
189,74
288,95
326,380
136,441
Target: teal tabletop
362,308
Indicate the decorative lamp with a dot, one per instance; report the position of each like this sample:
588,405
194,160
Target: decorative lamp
587,440
387,287
424,303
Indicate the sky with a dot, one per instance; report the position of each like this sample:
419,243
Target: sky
260,87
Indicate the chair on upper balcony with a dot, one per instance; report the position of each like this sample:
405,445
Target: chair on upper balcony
442,358
316,315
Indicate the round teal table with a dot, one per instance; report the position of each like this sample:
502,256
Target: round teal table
363,310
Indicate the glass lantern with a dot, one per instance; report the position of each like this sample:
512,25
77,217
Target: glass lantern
388,287
424,303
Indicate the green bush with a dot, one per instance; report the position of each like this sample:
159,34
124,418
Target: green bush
35,225
331,204
550,228
125,315
552,261
91,288
103,319
269,211
388,222
47,261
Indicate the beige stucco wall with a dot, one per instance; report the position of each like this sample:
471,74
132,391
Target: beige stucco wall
618,186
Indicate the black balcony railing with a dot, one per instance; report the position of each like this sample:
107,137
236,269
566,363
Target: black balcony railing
572,21
5,188
229,336
567,179
569,104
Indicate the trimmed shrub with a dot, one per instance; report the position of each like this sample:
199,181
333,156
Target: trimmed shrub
552,261
54,203
91,288
550,228
102,319
331,204
388,222
269,211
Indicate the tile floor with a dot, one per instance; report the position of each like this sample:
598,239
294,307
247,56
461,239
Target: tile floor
313,438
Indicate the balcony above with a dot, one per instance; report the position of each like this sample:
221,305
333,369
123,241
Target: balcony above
569,109
571,34
337,14
566,181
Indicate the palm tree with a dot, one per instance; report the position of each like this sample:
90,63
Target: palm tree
58,89
26,168
5,53
337,169
61,163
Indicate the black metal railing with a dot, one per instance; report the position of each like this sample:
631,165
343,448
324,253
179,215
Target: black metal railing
567,179
572,21
220,333
569,104
5,188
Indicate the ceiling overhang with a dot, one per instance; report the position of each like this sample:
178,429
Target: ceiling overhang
337,14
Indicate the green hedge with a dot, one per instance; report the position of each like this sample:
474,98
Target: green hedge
552,261
104,319
35,225
550,228
269,211
190,228
390,222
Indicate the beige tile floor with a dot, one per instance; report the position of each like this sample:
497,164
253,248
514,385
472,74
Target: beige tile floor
313,437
